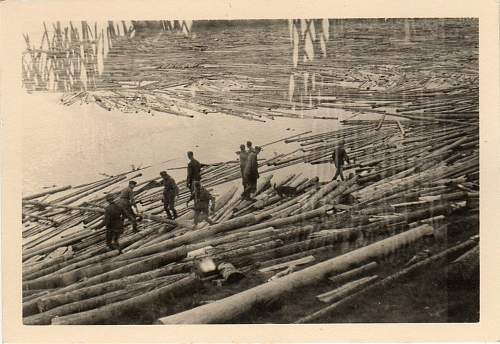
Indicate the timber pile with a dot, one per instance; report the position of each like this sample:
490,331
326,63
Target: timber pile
430,74
403,196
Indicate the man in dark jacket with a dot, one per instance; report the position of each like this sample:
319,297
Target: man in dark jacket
126,199
170,192
193,171
338,157
243,162
251,173
114,215
202,198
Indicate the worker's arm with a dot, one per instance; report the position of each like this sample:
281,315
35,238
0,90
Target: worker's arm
333,156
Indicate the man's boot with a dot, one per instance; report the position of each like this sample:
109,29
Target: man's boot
169,216
175,213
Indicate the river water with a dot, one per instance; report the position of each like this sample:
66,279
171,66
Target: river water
70,145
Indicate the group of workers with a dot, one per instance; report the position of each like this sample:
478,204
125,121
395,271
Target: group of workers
118,210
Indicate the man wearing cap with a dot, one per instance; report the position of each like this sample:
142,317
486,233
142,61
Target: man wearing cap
170,192
339,155
202,198
114,215
251,173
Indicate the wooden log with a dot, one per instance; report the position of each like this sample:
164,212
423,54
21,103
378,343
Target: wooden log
287,220
193,236
435,259
226,309
349,275
161,295
301,261
45,193
57,298
346,289
465,266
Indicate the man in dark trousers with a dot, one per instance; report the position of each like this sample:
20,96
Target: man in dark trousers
170,192
193,171
126,199
251,173
202,198
114,215
243,162
339,155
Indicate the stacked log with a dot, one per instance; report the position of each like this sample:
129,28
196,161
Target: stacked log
403,189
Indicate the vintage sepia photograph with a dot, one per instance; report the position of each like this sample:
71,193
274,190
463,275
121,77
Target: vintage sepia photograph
284,171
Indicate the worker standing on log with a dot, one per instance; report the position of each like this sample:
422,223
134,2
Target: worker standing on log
243,162
193,171
251,173
126,200
170,192
202,198
339,155
114,215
